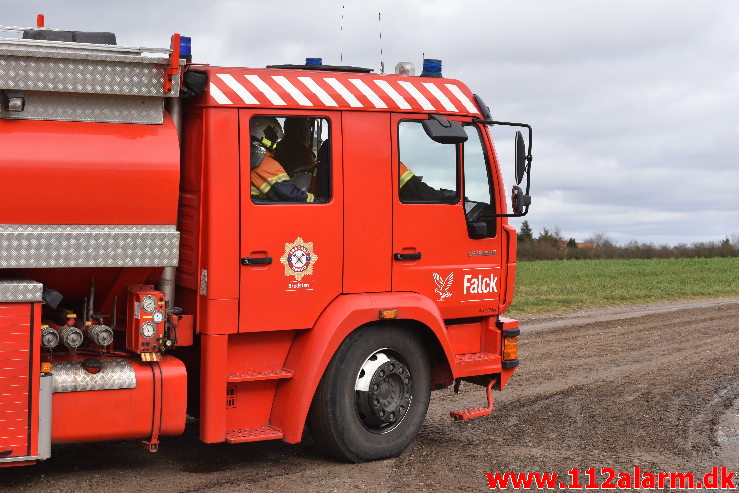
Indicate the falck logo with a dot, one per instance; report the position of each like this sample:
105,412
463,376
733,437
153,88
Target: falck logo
299,258
443,285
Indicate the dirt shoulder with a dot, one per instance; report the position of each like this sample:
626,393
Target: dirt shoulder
544,321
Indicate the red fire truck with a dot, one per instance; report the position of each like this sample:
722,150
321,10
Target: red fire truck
150,270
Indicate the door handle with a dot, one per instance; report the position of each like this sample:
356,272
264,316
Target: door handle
6,452
256,260
407,256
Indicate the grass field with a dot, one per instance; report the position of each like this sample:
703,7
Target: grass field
555,285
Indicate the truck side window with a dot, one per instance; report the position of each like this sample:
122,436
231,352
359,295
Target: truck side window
291,159
478,195
427,169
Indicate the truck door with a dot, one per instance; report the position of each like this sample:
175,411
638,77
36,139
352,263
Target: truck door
291,252
446,245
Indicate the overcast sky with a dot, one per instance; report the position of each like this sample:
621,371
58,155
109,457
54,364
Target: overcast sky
634,104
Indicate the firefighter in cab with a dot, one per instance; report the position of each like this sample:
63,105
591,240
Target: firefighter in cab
293,151
269,180
414,189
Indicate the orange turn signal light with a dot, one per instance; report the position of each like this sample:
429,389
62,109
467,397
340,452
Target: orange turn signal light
46,367
388,313
510,348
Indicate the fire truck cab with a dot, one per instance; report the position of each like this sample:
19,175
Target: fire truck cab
152,265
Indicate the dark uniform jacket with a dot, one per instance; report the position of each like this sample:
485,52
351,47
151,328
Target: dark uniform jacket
295,156
413,189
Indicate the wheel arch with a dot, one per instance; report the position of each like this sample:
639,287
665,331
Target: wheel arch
313,349
441,370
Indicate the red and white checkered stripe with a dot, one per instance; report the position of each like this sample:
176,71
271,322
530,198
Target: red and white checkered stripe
331,90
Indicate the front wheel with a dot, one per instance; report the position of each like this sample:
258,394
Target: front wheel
374,394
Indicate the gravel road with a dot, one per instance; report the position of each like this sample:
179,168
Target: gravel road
655,387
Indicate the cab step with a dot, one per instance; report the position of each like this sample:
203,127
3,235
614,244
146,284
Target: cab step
256,375
258,434
476,412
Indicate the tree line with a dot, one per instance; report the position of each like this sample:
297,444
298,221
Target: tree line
551,245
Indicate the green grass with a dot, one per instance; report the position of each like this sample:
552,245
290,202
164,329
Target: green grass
556,285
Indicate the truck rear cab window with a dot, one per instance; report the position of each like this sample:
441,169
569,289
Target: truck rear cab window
290,159
427,169
478,191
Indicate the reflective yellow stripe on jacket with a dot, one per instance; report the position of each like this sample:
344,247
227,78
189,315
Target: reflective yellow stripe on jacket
264,176
405,174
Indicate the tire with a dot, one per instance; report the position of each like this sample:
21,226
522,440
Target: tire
373,396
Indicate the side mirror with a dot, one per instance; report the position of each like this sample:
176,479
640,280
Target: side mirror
443,131
519,200
520,158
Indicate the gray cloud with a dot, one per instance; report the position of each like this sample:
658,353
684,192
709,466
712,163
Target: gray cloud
634,104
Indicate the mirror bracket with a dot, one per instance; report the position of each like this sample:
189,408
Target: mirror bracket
529,158
522,198
444,131
444,122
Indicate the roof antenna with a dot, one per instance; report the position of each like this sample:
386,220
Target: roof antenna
341,37
379,27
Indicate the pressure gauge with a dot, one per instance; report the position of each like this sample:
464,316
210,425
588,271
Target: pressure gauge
148,330
149,303
158,317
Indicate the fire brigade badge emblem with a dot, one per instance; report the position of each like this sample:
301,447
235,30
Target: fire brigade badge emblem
299,258
443,285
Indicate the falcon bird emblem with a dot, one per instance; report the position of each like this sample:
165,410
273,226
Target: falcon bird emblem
443,285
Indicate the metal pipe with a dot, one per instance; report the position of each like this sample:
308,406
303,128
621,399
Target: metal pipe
166,284
91,306
167,281
115,312
174,107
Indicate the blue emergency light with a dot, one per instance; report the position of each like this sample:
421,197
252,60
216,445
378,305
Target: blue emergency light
185,48
431,67
314,61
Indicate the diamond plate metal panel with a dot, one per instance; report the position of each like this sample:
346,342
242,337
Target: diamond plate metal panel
89,108
47,246
20,291
36,68
69,376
